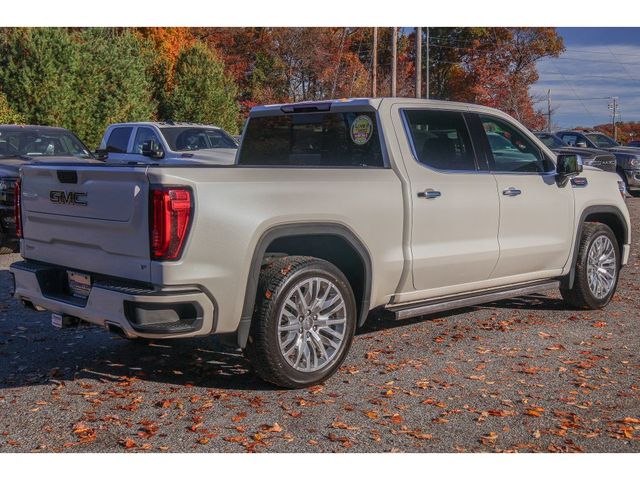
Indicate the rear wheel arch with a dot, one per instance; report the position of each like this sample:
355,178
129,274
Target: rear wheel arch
332,242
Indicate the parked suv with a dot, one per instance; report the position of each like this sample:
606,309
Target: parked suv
23,144
627,158
167,141
592,157
333,209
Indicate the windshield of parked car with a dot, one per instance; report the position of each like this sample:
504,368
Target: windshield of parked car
183,139
32,143
551,141
601,140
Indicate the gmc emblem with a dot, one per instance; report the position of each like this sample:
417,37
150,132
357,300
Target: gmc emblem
68,198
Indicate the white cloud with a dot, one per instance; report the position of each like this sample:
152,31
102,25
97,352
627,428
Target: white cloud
582,79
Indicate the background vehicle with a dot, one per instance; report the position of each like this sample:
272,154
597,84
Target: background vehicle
165,141
331,210
627,158
23,144
591,157
634,143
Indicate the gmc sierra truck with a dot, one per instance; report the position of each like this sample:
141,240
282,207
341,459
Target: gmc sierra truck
331,210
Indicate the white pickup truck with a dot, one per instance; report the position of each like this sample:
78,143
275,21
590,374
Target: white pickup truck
143,142
332,209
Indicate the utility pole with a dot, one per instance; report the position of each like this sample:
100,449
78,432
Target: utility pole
394,60
427,66
418,62
613,106
549,110
374,86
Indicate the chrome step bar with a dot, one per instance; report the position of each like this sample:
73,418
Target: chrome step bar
413,309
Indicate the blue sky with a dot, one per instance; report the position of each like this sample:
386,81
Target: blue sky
597,63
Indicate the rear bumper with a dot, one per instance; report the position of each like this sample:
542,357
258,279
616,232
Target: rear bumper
178,312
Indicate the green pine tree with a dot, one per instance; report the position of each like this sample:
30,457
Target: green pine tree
200,91
7,114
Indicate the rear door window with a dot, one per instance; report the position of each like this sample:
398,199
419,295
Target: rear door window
441,139
322,139
119,140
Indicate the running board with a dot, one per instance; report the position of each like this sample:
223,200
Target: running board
413,309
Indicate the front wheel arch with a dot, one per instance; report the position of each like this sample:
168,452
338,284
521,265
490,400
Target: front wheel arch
605,214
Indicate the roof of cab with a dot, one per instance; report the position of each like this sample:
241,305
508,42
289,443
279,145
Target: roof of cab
165,124
375,103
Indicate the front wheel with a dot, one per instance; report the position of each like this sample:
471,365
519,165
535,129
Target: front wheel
303,323
596,270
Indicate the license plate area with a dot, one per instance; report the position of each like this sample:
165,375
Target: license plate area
79,284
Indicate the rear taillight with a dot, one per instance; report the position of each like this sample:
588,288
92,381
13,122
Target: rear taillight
17,208
170,217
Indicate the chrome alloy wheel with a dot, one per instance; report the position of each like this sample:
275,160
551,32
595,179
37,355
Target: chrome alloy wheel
601,267
312,324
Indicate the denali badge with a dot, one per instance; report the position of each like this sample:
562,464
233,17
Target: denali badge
69,198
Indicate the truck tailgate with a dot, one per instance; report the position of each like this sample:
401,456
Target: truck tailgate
89,218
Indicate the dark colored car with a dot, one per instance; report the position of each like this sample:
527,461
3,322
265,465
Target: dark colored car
23,144
592,157
634,143
627,158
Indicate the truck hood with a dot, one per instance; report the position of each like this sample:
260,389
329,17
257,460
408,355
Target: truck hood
583,152
625,150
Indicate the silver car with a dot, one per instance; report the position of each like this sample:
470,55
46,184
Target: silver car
166,142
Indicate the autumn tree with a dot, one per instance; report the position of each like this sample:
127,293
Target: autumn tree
500,66
201,92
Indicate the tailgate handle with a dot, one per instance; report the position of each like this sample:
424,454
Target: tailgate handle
67,176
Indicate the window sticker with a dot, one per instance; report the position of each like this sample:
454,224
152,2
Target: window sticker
361,130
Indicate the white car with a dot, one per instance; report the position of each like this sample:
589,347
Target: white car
333,209
166,141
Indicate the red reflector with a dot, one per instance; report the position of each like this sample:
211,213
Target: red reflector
17,208
170,217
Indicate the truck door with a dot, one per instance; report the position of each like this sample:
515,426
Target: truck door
454,202
536,212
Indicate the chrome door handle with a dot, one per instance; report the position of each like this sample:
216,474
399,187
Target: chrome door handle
429,193
511,192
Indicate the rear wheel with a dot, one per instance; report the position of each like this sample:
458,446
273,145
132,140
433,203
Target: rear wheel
596,270
304,322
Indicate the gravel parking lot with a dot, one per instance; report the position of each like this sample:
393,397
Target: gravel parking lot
522,375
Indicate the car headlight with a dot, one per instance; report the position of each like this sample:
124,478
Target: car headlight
633,161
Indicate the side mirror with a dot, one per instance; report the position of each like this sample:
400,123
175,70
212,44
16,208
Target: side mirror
568,165
151,149
101,154
581,144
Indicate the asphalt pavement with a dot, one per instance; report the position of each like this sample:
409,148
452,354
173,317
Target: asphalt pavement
523,375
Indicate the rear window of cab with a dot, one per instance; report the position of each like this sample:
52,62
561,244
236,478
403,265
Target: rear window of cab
318,139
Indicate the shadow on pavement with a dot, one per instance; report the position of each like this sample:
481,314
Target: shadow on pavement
42,356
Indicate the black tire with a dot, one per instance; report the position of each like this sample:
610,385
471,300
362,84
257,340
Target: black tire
580,295
277,279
